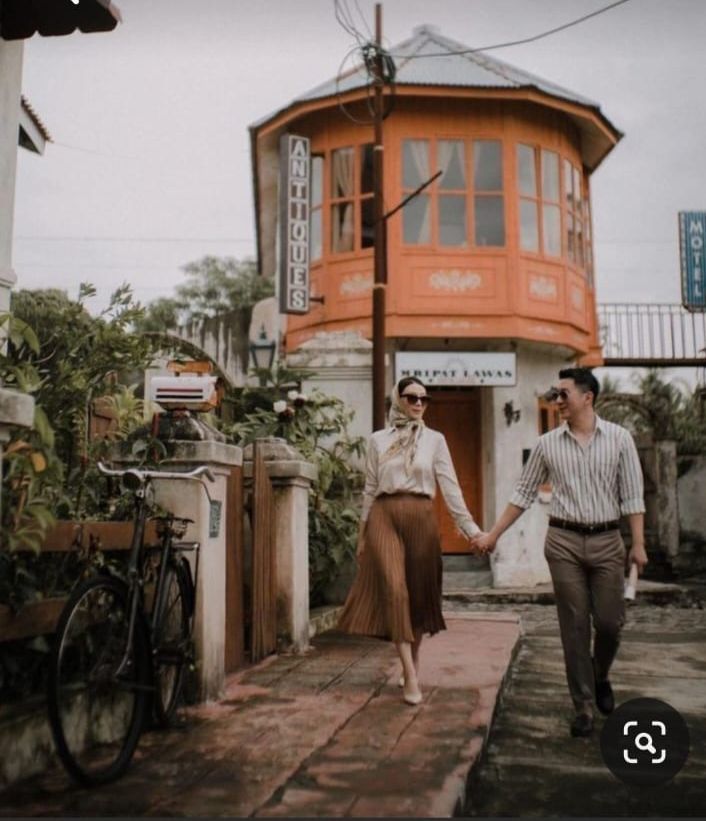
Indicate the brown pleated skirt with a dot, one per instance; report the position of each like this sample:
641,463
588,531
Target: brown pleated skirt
397,590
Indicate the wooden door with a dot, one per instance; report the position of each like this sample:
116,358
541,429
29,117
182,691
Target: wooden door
457,415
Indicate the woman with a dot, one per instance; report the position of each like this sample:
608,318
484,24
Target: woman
397,591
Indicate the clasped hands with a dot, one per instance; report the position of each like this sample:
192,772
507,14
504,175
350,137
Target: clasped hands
482,543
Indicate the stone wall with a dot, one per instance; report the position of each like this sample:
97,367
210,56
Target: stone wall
692,521
225,339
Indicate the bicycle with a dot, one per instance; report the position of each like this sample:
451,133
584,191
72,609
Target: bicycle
120,650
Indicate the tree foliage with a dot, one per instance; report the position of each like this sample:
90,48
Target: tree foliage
664,409
66,359
214,286
317,426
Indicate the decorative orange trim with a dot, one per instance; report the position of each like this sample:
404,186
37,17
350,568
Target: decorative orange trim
301,109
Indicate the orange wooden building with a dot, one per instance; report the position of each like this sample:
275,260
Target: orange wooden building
494,258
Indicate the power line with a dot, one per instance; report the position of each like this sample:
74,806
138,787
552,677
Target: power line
346,22
364,19
93,151
532,39
58,238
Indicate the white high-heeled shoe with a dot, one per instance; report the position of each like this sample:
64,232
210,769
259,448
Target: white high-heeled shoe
413,699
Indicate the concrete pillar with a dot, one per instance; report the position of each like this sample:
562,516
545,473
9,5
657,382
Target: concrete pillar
291,478
10,91
188,499
667,497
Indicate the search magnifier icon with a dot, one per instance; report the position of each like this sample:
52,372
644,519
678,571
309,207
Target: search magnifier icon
646,745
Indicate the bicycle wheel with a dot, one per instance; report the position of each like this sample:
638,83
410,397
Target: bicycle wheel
171,641
98,685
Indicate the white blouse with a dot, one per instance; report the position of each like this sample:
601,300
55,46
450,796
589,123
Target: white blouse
432,464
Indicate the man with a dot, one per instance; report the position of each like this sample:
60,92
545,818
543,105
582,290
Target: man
596,477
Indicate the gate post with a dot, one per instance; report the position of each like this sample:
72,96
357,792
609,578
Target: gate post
188,499
291,478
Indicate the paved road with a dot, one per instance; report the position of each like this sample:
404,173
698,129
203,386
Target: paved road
533,767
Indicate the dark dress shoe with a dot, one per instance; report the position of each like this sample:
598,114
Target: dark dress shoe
605,701
582,726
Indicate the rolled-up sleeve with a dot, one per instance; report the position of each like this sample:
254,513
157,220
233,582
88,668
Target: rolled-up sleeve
630,481
371,479
450,490
535,473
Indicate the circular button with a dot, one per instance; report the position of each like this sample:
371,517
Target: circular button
645,742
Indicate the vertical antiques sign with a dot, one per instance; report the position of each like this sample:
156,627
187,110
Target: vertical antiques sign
692,233
295,162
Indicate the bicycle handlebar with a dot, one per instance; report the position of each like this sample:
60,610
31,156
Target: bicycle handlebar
196,473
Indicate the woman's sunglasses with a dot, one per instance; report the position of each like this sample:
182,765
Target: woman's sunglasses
413,399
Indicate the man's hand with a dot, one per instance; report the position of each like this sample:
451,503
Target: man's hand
482,543
637,555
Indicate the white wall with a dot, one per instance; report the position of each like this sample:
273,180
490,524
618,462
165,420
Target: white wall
341,365
10,89
518,559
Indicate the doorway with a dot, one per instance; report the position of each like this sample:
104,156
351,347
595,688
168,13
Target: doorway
457,414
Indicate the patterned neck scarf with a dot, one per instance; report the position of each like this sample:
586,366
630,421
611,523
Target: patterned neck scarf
408,432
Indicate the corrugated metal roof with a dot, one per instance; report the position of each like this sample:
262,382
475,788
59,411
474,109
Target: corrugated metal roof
415,66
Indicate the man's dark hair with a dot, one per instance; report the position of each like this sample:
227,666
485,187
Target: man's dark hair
406,381
584,379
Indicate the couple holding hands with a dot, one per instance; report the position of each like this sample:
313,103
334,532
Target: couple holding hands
596,477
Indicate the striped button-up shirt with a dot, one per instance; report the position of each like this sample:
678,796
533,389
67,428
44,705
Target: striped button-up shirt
598,483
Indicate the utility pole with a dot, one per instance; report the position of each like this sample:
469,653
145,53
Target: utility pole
380,244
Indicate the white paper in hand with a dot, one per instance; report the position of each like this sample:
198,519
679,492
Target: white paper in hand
631,583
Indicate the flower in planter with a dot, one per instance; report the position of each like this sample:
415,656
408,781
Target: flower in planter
283,410
296,398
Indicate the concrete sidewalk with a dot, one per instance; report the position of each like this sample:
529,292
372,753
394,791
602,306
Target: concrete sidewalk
324,734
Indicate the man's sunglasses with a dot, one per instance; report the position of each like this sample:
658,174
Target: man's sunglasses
556,393
413,399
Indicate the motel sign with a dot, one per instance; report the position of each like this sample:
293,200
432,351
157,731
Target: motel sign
692,233
294,224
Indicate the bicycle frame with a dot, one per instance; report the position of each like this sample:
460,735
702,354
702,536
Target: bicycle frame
135,582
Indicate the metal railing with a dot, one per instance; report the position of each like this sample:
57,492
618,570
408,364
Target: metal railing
651,334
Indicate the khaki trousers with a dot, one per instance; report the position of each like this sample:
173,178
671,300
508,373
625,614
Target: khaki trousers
587,573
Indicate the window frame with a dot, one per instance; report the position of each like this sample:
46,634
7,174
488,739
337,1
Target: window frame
435,193
541,200
357,198
317,209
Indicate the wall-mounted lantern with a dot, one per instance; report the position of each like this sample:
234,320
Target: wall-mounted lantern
262,353
512,414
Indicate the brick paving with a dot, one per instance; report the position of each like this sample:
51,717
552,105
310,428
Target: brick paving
323,734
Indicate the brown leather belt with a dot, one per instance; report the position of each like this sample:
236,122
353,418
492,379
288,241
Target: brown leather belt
587,530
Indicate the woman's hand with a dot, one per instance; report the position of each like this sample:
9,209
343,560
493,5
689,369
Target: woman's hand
360,547
482,543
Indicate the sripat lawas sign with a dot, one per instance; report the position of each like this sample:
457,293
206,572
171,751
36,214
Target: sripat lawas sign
692,234
295,163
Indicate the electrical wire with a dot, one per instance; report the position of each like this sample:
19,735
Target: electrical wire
532,39
64,238
339,96
346,24
364,19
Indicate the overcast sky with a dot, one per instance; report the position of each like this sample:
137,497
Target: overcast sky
151,165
